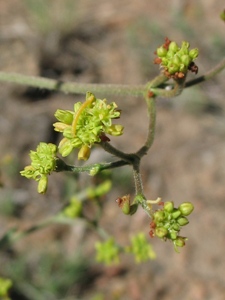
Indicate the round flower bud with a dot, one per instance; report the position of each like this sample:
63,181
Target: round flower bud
180,241
169,206
173,46
161,51
173,235
186,208
173,68
186,60
161,232
176,226
159,216
182,221
193,53
176,213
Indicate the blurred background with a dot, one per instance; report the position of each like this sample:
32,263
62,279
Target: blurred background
113,42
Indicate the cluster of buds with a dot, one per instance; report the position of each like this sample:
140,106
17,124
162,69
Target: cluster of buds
175,60
167,222
86,125
43,162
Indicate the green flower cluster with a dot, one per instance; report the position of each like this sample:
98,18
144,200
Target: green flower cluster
86,125
107,252
43,162
74,209
176,60
167,222
141,249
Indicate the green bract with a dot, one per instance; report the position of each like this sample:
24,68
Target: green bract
43,162
86,125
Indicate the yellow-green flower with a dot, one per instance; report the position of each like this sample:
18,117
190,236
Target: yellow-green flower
85,126
43,162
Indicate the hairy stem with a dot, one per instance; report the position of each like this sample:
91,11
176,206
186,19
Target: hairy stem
73,87
151,127
179,85
217,69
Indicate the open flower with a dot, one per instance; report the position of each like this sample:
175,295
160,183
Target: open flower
43,162
86,125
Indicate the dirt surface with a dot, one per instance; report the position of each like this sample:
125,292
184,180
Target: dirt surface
114,42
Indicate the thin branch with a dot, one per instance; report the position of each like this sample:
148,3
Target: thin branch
73,87
217,69
151,127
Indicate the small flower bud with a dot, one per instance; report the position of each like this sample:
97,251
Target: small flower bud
84,153
161,51
173,235
182,221
94,170
176,226
65,147
64,116
173,68
60,127
180,241
186,208
186,60
43,184
193,53
176,214
159,216
169,206
173,46
161,232
184,47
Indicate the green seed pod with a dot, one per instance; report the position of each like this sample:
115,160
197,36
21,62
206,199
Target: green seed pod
186,208
161,51
161,232
182,221
173,46
169,206
193,53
